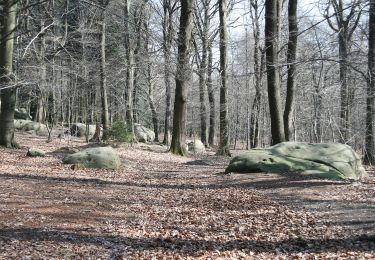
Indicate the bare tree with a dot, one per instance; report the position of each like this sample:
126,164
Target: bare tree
182,78
344,25
272,60
169,8
224,134
369,142
8,93
291,59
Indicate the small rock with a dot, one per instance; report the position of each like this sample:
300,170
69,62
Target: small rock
35,152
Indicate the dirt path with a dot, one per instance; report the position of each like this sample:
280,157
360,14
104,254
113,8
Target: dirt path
164,206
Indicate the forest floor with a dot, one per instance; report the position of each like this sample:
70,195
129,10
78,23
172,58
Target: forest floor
161,206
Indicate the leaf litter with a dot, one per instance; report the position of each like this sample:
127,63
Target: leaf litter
161,206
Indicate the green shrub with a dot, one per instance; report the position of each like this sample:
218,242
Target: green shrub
120,132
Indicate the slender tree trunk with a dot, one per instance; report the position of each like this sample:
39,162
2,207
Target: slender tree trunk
182,78
129,68
369,142
272,61
8,94
103,78
211,98
224,129
291,58
344,105
258,74
167,45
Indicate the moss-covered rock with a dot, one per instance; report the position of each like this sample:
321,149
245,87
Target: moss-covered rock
35,152
35,127
20,123
79,130
336,161
143,134
98,157
21,114
195,146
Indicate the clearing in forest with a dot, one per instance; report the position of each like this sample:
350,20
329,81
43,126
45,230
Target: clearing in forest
161,205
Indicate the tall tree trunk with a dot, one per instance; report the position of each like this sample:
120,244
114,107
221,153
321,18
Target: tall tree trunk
291,58
8,93
169,9
369,142
182,78
129,68
273,86
224,129
258,74
211,97
103,77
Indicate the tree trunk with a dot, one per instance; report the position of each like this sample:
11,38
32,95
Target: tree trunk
103,78
211,98
167,45
8,93
272,61
258,74
224,129
129,67
369,142
291,58
182,78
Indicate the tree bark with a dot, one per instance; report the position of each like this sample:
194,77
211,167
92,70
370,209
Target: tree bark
183,75
103,76
258,74
291,58
169,9
8,93
129,68
273,86
224,133
211,98
369,141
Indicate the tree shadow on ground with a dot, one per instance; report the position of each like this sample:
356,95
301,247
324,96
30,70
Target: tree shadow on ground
272,183
191,247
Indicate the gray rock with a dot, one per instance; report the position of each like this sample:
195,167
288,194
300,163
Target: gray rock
20,123
329,160
79,130
35,152
195,146
21,114
98,157
35,127
143,134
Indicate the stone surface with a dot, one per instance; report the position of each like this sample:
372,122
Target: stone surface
79,130
21,114
98,157
20,123
143,134
35,152
35,127
329,160
195,146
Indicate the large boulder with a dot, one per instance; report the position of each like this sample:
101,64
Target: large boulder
195,146
143,134
20,123
98,157
328,160
21,114
35,127
79,130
